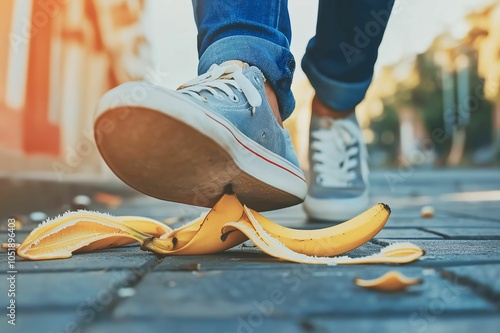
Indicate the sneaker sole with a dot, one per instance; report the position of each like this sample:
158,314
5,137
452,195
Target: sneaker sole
336,210
186,154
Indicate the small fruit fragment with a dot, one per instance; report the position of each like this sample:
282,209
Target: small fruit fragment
427,212
389,282
112,201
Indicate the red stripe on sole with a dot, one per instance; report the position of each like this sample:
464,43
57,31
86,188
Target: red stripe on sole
254,152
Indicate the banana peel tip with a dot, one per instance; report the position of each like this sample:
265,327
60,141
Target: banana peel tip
386,207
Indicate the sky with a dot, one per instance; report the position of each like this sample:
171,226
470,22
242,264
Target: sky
413,25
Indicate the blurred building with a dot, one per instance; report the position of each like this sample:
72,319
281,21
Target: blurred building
56,59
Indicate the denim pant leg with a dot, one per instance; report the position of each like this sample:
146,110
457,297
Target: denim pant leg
339,60
257,32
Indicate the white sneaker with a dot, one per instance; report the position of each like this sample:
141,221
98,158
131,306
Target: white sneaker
338,187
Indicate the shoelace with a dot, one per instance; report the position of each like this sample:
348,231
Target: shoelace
334,147
223,79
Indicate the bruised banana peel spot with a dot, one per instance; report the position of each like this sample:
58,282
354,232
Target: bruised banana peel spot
226,225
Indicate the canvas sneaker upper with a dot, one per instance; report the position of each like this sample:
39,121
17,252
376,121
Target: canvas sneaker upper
238,95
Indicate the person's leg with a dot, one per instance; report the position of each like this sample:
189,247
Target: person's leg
339,60
255,32
217,132
339,63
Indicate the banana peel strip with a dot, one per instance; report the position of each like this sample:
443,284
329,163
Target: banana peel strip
228,224
86,231
389,282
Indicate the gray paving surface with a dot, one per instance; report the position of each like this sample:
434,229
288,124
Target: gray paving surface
243,290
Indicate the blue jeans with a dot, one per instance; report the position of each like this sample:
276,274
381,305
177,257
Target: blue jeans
338,61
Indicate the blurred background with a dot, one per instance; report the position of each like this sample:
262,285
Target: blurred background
434,100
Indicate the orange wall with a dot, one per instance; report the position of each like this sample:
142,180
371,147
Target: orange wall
10,120
39,136
28,129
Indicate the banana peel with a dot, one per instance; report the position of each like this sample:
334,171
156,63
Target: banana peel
226,225
84,231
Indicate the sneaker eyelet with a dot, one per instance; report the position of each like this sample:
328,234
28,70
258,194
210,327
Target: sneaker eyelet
256,79
263,135
235,99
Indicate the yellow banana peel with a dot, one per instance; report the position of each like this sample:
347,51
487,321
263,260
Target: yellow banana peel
86,231
226,225
389,282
